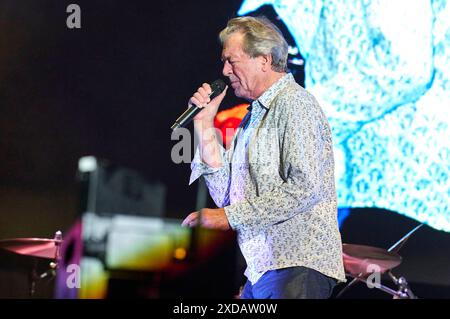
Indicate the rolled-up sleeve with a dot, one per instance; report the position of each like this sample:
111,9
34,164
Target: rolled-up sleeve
217,178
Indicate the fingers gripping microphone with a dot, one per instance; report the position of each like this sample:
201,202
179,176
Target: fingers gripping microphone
217,87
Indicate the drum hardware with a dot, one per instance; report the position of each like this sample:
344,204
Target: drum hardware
359,258
37,248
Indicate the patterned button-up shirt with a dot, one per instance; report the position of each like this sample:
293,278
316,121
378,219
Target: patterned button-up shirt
277,184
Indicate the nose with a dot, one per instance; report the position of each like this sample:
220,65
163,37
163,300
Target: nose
226,71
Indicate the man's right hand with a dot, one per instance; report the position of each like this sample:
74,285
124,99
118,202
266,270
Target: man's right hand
209,107
208,136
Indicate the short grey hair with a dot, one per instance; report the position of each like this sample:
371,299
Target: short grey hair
261,37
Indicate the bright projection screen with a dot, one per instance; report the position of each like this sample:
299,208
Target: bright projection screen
381,71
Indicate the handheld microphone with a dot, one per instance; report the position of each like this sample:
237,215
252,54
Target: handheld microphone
217,87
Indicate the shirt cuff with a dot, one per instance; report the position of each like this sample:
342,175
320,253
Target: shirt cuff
199,168
232,217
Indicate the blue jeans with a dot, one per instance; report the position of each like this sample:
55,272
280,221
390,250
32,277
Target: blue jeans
290,283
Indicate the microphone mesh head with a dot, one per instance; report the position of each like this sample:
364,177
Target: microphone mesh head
217,87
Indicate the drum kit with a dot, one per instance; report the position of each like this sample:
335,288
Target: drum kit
360,262
363,263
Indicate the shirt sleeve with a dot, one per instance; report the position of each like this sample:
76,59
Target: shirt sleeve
306,156
217,178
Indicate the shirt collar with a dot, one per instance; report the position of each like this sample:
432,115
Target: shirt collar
269,95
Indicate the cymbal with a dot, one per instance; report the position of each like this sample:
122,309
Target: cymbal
36,247
360,260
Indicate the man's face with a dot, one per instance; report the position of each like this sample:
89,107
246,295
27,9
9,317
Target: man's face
245,73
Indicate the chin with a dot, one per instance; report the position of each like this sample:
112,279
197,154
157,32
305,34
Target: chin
237,93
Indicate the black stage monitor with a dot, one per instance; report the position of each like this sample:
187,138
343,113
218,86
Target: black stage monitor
108,189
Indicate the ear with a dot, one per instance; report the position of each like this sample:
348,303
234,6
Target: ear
266,62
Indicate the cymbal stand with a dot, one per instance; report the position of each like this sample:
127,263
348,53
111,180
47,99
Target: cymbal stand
32,276
53,265
404,291
381,287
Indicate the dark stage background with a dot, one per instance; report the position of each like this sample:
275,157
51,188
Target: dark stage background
112,89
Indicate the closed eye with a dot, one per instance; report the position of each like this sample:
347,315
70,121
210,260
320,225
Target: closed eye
232,62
